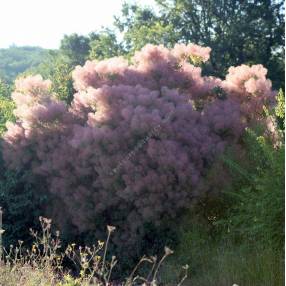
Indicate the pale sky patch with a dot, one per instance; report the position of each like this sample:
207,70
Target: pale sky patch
44,22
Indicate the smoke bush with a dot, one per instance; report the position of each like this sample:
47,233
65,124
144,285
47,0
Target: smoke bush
139,137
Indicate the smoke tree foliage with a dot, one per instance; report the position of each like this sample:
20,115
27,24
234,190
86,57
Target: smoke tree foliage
137,140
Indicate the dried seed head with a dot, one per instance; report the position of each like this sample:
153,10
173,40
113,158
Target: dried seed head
186,267
111,228
168,251
100,243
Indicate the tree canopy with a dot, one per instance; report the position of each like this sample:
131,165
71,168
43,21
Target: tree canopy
238,32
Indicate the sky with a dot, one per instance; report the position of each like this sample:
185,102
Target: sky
44,22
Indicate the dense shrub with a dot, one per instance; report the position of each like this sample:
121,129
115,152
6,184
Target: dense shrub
138,139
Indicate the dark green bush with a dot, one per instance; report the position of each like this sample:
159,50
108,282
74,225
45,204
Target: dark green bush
257,199
280,110
21,204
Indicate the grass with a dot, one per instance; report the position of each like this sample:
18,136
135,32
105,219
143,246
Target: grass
225,266
215,261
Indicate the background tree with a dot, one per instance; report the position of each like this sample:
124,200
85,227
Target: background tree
6,110
76,48
58,68
141,26
104,44
5,89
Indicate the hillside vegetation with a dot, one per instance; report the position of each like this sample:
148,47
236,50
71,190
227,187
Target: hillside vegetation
15,60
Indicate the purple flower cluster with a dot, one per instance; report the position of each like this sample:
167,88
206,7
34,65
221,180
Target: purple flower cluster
138,139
